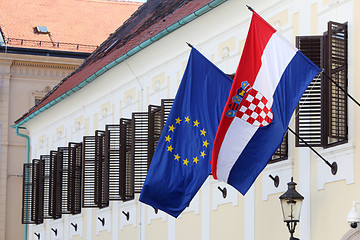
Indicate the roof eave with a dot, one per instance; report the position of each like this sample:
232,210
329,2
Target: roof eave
125,56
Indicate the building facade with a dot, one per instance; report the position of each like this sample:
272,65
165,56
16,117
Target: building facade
37,51
141,65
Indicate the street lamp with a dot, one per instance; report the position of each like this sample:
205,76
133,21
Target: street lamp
291,202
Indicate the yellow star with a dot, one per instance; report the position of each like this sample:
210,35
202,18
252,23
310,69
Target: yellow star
187,119
205,143
169,148
185,162
202,154
196,123
177,157
171,128
195,160
203,132
178,120
168,138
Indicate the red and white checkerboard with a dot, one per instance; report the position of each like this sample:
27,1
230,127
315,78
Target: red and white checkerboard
255,109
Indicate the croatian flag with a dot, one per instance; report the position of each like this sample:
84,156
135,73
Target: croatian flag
270,79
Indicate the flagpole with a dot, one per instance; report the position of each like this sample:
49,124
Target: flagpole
333,166
342,89
250,8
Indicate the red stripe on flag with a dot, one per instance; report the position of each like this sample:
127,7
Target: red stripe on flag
258,36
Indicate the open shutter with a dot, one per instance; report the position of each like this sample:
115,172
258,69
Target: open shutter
139,147
47,170
155,128
166,105
64,158
157,119
126,162
282,152
38,192
88,199
74,185
101,171
309,111
112,155
55,186
28,195
95,170
336,129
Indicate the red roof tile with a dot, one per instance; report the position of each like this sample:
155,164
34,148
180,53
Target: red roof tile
150,19
70,22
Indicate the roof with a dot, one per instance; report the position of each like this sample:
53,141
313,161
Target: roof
73,25
150,22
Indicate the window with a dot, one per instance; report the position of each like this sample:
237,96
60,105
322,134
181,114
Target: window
321,118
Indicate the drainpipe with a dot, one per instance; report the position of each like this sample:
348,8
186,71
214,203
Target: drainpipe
27,161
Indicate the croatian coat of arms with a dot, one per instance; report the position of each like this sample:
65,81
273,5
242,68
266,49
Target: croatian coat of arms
251,106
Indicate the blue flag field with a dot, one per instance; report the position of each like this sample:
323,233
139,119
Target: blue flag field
181,162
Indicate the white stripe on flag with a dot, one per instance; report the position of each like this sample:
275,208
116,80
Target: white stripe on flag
276,57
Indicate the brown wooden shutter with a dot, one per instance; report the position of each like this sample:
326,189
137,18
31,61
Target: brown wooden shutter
75,176
139,147
64,158
88,199
126,187
47,192
38,192
101,171
112,155
95,171
154,129
336,129
157,119
282,152
55,186
28,195
166,105
309,111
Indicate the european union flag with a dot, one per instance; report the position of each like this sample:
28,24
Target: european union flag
180,164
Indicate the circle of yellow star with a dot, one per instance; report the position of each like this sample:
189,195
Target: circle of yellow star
177,157
196,123
186,162
203,154
169,148
168,138
187,119
195,160
178,120
205,143
171,128
203,132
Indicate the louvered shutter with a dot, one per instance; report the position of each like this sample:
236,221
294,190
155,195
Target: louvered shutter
101,171
139,147
336,130
157,119
28,195
88,172
309,111
38,192
166,105
126,162
112,155
64,158
154,128
75,170
282,152
47,193
95,171
55,186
